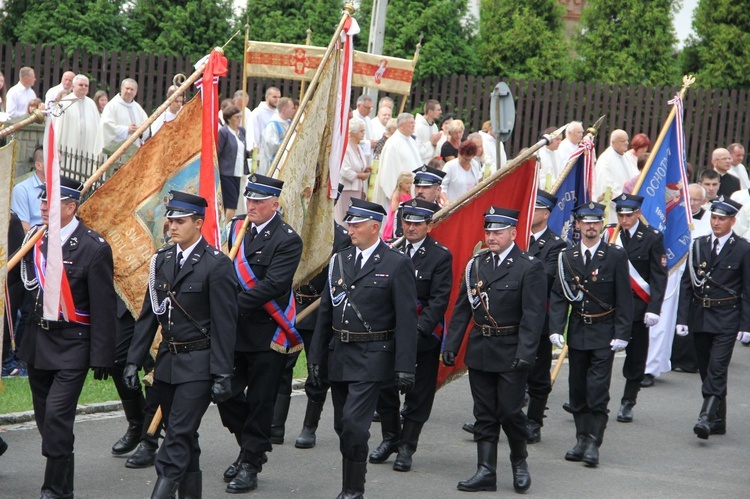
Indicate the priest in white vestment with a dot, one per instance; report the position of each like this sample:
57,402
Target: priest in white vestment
78,129
400,154
612,170
121,118
573,135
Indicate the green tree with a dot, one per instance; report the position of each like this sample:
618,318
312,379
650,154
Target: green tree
449,45
11,13
287,21
523,39
719,54
627,41
93,25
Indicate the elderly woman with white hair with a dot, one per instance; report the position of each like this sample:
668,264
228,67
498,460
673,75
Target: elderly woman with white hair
354,170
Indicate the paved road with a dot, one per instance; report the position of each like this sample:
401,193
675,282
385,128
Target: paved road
655,456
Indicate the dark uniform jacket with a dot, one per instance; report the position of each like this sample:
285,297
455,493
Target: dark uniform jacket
728,185
516,295
88,264
273,256
646,253
206,289
547,248
434,274
728,278
385,294
314,288
608,280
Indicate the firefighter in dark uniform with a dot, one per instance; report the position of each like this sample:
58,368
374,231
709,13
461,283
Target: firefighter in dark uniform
546,246
645,249
593,280
427,187
715,307
60,351
192,295
504,293
265,267
433,263
367,327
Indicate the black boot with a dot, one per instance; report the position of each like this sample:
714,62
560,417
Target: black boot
576,453
145,455
233,468
55,479
408,445
703,427
535,415
625,414
280,412
164,488
306,439
391,426
247,476
468,428
3,446
596,424
69,490
191,486
134,414
521,475
353,480
486,476
719,426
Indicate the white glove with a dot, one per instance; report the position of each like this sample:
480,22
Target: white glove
743,337
618,345
650,319
557,339
681,330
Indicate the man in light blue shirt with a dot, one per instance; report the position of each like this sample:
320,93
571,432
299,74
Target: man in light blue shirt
25,197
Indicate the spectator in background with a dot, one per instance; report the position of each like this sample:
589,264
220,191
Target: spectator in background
480,159
638,149
63,89
2,91
354,170
709,180
400,153
171,113
426,130
401,194
461,173
21,93
390,127
232,154
737,151
490,147
224,104
721,160
449,150
273,134
612,170
378,125
241,101
386,102
550,162
444,123
573,135
35,103
78,129
25,196
262,114
101,99
121,118
364,106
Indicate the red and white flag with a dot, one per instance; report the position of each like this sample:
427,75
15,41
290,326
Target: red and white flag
54,261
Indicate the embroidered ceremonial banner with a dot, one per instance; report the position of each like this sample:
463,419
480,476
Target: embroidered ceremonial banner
299,62
461,231
128,210
574,190
8,156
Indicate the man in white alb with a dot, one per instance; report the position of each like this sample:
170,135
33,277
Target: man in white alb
78,129
121,118
400,153
612,170
66,85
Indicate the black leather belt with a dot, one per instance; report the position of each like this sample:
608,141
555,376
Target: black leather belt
47,325
497,330
594,318
188,346
353,336
718,302
305,299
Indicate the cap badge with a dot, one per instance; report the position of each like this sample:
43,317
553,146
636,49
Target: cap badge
414,202
492,210
253,179
424,168
591,205
624,197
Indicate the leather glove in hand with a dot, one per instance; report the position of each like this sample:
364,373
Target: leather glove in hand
618,345
449,358
557,339
405,381
101,373
681,330
521,365
221,391
650,319
313,373
743,337
130,377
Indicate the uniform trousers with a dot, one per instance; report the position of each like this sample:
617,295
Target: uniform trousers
250,416
714,352
589,378
420,398
498,402
314,393
540,382
683,353
55,397
634,367
183,407
353,405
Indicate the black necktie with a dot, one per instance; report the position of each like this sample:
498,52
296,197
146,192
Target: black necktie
496,261
532,241
625,237
177,263
587,259
358,263
409,250
253,233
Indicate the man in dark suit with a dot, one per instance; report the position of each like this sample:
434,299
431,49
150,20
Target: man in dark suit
648,279
265,265
721,160
433,263
593,280
506,298
367,327
715,306
60,350
192,296
546,246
